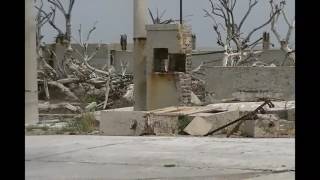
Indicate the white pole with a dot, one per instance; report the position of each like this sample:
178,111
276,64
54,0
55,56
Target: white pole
139,21
31,94
139,60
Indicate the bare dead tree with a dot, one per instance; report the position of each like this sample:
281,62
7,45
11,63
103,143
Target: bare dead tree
48,72
97,75
63,37
238,47
284,42
66,11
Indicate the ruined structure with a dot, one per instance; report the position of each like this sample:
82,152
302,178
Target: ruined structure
168,65
31,88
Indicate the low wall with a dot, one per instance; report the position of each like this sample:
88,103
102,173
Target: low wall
248,83
275,56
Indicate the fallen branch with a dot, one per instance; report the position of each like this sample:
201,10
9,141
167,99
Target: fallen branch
64,90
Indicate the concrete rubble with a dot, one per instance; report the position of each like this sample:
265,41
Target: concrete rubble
200,120
204,123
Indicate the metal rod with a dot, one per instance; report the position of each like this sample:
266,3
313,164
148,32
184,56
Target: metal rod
180,11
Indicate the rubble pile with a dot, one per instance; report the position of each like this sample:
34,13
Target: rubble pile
245,119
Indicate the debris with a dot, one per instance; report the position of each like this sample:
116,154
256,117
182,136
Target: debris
245,117
91,106
72,108
195,100
129,94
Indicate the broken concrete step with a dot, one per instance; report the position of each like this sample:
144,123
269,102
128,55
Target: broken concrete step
203,123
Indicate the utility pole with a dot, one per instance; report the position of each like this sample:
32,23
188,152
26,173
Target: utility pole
139,59
31,85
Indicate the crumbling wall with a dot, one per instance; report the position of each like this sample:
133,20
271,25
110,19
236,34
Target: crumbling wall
172,85
184,82
249,83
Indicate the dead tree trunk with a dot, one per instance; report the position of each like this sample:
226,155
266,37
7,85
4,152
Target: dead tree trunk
284,43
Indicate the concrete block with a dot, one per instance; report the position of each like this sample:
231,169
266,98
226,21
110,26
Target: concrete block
207,122
267,125
163,124
287,128
291,116
122,123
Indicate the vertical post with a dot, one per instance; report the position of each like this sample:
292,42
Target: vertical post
31,87
266,41
139,57
180,11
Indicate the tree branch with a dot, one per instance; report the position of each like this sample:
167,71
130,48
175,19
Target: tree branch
247,13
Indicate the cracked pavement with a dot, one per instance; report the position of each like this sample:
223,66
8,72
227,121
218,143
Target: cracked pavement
122,157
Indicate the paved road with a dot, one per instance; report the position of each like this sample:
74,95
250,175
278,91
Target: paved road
114,157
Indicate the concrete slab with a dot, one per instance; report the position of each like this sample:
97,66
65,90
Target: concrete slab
121,157
204,123
163,125
250,106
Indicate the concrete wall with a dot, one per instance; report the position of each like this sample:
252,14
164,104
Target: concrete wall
246,83
101,58
125,57
117,46
275,56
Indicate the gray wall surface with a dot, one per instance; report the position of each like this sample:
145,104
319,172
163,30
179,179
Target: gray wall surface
247,83
125,57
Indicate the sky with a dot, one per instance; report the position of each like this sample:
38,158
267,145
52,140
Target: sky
115,17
